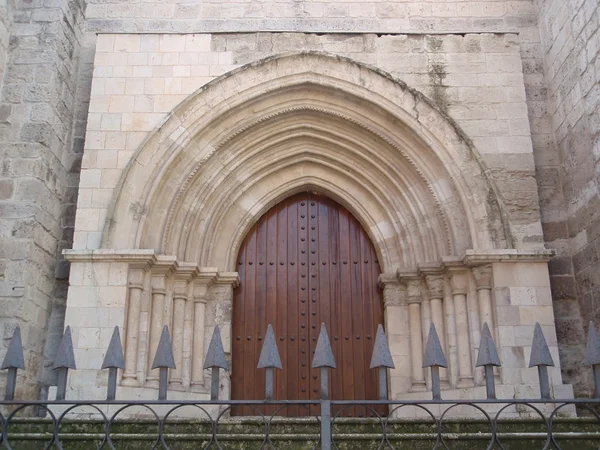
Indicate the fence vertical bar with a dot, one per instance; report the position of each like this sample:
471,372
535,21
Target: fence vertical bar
488,358
382,359
541,357
269,359
65,360
215,360
324,360
434,358
12,361
113,360
592,356
164,360
325,423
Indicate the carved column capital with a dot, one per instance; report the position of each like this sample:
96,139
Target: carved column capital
159,284
483,276
413,288
394,294
435,286
136,278
459,281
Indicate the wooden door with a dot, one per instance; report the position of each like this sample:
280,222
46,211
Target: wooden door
307,261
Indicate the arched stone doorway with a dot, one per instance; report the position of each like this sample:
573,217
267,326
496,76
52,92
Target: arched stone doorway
452,252
307,261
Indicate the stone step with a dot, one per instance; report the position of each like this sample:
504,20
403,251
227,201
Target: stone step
300,434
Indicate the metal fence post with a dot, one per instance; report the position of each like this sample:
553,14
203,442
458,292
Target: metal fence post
488,358
269,359
215,360
325,424
592,357
12,361
324,360
541,357
113,360
434,358
65,360
164,361
382,360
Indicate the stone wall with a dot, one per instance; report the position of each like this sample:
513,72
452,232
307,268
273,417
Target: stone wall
139,79
38,96
571,42
48,77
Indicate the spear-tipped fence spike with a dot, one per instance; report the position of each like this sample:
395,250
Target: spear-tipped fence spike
114,354
164,352
592,357
14,355
540,353
592,350
215,356
269,355
434,355
323,353
65,358
488,355
382,357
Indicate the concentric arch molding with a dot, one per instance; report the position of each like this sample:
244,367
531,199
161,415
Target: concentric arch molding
434,150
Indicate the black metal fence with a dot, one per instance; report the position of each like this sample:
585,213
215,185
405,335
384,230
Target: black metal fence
536,419
492,424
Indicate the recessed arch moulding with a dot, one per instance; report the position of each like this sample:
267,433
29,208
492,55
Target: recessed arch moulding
307,122
292,123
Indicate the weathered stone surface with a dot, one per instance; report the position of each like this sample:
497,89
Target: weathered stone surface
490,83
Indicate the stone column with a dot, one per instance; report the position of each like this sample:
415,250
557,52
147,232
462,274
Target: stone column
179,299
459,284
200,297
160,271
220,306
435,288
136,287
416,334
450,323
396,327
483,279
144,329
159,290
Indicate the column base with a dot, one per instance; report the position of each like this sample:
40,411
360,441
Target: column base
177,386
130,381
466,382
198,387
151,383
418,386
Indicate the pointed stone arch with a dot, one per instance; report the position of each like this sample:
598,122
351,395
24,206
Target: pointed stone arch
307,121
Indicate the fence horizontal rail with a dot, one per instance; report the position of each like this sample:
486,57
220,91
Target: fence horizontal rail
491,424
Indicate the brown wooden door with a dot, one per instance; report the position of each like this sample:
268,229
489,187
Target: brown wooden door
307,261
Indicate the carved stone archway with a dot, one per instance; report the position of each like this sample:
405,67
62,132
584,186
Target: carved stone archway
316,122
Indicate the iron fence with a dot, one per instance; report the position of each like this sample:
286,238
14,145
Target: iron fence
209,429
535,419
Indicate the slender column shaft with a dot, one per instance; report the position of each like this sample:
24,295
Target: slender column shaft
133,322
450,326
425,324
485,306
176,381
465,373
188,330
200,298
198,352
156,325
416,346
437,317
483,279
435,291
144,331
